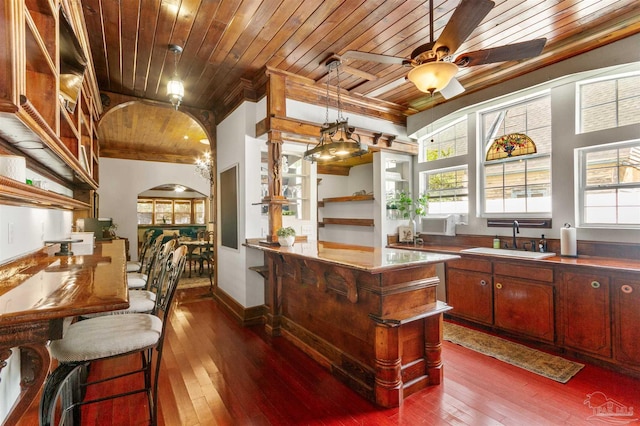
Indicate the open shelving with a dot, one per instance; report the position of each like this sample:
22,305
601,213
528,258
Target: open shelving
42,115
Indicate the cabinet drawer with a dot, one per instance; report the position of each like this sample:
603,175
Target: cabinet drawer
468,264
526,271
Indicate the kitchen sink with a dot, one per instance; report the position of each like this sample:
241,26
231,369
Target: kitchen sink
521,254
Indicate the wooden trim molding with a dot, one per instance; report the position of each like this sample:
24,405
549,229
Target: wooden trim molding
244,316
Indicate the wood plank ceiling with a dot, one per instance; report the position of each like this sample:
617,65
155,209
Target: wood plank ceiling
228,41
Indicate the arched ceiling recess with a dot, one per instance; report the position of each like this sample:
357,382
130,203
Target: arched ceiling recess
140,130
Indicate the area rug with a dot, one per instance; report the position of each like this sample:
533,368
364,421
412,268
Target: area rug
195,281
550,366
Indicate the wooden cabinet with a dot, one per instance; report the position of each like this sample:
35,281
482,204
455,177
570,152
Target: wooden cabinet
510,296
626,311
470,290
524,299
593,312
49,99
524,307
586,313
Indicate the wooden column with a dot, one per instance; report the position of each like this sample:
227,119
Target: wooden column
388,380
433,348
276,106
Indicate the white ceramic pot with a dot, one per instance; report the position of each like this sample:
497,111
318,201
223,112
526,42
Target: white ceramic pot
287,241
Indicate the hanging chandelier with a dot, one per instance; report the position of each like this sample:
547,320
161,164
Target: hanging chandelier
338,140
175,88
204,168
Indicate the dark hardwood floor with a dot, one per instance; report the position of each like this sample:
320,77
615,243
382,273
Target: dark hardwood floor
216,372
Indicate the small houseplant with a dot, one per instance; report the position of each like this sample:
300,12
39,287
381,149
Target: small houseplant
286,236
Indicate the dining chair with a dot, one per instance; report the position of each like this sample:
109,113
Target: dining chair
108,337
194,252
207,255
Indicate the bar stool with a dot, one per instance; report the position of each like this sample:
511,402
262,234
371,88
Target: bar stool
144,300
138,280
109,337
136,266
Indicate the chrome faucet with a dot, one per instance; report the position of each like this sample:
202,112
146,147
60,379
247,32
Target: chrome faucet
516,229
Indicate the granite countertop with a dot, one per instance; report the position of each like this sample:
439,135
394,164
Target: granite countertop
623,265
358,257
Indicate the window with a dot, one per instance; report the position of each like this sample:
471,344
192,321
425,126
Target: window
610,103
145,212
519,184
610,185
449,141
170,212
198,211
163,212
182,212
448,190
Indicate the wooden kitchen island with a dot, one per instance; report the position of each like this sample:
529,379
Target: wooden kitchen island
368,315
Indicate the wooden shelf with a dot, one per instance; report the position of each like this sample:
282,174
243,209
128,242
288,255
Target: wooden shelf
262,270
349,198
345,221
20,194
37,115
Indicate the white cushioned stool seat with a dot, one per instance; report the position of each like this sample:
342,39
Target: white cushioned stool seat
133,266
107,336
136,279
140,302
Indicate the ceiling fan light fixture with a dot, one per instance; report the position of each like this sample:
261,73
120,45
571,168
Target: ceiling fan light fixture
432,76
175,87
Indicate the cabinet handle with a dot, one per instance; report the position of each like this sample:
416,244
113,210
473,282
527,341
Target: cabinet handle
483,282
595,284
627,289
498,286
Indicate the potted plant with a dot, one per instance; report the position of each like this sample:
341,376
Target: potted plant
286,236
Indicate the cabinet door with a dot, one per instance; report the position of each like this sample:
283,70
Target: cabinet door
626,307
469,293
524,307
586,313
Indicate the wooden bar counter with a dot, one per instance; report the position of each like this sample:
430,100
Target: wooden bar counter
38,292
368,315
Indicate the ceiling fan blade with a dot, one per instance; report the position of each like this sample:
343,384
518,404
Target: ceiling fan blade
454,88
509,52
464,20
373,57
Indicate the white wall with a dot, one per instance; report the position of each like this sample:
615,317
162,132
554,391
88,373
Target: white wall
30,227
122,180
232,149
360,178
23,230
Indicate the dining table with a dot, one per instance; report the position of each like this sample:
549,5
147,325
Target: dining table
41,293
192,245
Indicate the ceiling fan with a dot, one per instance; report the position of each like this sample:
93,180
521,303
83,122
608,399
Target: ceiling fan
433,64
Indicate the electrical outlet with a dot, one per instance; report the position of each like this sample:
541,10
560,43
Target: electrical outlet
10,233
